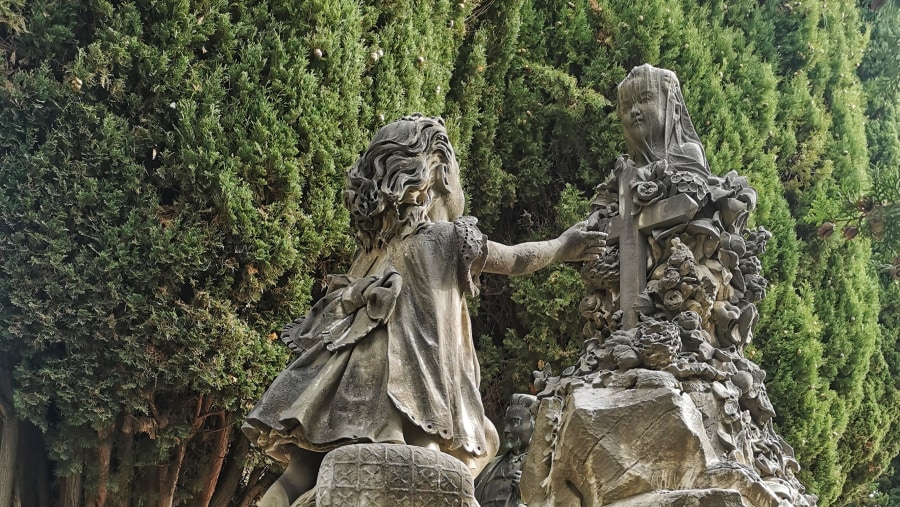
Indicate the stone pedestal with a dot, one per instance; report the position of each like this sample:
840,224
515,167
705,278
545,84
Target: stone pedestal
393,475
613,444
641,438
685,498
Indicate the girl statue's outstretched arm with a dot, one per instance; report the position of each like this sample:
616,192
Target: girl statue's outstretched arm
575,245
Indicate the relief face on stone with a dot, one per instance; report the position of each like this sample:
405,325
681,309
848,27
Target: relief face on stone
373,355
669,310
498,483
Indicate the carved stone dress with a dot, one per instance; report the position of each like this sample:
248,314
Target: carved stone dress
386,353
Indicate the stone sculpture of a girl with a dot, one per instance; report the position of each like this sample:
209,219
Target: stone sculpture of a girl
387,355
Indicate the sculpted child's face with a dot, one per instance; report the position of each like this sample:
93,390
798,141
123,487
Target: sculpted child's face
642,114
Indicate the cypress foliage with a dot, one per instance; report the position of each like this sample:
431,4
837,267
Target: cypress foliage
877,450
168,179
170,174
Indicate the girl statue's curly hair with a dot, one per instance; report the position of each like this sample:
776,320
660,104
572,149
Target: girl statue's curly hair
390,187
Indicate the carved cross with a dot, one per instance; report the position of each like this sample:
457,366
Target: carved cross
629,230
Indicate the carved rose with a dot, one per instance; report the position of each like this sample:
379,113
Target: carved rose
756,241
755,287
590,307
732,410
671,278
673,300
646,193
688,320
657,343
750,265
694,185
603,273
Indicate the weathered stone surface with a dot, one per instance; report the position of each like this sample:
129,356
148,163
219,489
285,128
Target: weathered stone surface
756,492
365,475
629,434
610,444
685,498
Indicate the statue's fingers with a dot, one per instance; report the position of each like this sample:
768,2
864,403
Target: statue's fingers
599,250
591,236
595,238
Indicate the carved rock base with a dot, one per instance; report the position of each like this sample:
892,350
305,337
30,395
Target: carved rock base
392,475
640,439
613,444
685,498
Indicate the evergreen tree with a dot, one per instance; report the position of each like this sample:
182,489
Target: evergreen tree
169,173
170,179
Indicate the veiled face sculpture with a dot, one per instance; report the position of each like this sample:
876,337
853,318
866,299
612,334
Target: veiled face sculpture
656,124
641,115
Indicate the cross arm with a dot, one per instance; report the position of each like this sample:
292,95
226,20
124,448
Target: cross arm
674,210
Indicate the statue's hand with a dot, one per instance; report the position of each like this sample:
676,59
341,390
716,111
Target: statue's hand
517,476
579,244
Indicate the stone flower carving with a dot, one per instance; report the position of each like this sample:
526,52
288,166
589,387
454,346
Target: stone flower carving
657,343
649,185
603,273
645,193
606,200
673,300
757,240
694,185
755,287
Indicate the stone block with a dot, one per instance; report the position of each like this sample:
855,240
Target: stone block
612,444
364,475
684,498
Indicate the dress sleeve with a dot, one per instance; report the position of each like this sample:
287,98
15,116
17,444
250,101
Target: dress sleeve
472,251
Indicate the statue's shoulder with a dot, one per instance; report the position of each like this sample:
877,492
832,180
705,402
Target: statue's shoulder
471,239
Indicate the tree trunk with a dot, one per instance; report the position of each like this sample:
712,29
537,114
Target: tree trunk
227,486
9,434
163,486
218,453
256,486
170,473
9,439
34,467
105,437
126,462
70,490
170,482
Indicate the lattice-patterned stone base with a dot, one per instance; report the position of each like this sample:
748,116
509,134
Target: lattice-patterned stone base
393,475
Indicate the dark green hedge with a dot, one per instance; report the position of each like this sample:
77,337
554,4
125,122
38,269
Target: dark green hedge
170,174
